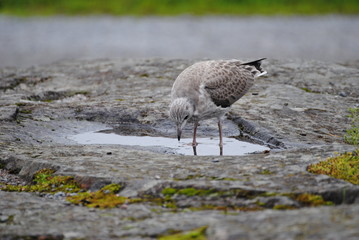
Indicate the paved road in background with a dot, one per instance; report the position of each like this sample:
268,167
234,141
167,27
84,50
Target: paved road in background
31,41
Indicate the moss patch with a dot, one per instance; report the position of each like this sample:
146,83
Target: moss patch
311,200
172,196
306,89
25,111
169,191
227,209
196,234
201,176
283,207
191,192
112,188
195,192
104,198
352,134
45,182
266,172
344,166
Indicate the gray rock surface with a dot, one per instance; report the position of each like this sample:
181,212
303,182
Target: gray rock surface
299,110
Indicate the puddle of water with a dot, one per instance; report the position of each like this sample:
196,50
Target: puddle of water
206,146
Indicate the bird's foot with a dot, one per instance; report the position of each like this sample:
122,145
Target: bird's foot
194,150
221,149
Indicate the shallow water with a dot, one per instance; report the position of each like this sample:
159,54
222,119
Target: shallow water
206,146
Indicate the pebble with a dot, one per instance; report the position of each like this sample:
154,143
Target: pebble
72,194
343,94
59,195
7,178
3,219
48,195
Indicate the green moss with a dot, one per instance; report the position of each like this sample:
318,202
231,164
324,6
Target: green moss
8,220
43,174
45,182
170,204
112,188
352,134
104,198
20,104
312,200
98,199
304,199
345,166
201,176
145,75
283,207
227,179
25,111
266,172
306,89
196,234
227,209
169,191
170,196
190,192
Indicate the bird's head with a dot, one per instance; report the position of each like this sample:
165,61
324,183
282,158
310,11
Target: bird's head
181,110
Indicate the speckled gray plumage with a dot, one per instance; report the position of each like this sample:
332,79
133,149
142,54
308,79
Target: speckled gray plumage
206,90
213,85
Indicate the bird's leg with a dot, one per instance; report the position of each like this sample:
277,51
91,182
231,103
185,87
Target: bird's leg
220,138
194,143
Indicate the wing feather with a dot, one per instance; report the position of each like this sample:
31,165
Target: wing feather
227,81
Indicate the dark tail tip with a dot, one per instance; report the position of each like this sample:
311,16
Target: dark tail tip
256,64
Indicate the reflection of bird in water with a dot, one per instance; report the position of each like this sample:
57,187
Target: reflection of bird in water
207,90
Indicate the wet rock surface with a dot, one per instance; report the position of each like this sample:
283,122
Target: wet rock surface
299,110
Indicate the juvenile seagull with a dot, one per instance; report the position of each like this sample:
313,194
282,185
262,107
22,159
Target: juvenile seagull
207,89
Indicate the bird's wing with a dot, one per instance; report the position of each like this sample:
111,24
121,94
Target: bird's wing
227,81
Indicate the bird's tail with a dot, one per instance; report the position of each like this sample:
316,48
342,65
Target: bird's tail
258,71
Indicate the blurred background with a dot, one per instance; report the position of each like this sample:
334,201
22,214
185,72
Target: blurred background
36,32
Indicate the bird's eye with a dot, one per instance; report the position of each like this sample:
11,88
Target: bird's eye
186,117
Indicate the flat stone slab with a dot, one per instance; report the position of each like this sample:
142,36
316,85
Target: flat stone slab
25,215
299,110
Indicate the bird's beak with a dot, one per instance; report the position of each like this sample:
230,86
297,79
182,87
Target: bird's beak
179,132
